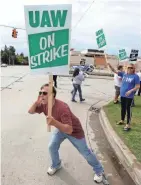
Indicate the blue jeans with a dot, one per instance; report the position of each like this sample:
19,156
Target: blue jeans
77,87
80,144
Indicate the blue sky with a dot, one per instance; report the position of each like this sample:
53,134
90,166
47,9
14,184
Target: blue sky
120,19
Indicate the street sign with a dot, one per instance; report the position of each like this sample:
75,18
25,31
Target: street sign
101,41
48,32
134,55
122,54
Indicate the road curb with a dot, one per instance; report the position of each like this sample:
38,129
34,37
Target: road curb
92,76
130,163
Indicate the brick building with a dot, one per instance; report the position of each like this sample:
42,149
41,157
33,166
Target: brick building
97,58
94,57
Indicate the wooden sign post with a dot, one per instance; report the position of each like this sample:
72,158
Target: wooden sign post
50,98
107,62
118,61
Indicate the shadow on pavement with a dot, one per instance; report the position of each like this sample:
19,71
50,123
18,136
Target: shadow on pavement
66,177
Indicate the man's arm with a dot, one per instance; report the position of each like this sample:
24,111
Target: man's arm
66,128
33,108
112,68
65,122
36,107
63,127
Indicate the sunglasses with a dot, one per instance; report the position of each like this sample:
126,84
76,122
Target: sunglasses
130,67
42,93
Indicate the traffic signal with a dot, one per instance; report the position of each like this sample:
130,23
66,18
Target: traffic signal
72,49
14,33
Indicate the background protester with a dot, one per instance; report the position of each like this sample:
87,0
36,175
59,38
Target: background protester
130,84
118,81
78,77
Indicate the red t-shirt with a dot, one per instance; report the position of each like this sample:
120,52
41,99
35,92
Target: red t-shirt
62,113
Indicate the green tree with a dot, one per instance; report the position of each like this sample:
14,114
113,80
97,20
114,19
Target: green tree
12,50
22,55
26,58
12,55
19,59
9,56
5,55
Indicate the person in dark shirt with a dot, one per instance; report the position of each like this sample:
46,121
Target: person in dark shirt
68,126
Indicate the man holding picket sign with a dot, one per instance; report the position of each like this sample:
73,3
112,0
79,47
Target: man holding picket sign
67,126
48,29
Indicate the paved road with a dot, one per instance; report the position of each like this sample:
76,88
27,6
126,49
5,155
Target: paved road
25,157
11,74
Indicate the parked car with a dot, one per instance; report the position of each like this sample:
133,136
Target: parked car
3,65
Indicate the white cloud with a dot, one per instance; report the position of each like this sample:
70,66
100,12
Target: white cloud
120,19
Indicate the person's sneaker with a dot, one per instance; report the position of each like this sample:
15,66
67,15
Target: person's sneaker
82,100
120,123
52,171
98,178
72,92
116,102
126,128
74,101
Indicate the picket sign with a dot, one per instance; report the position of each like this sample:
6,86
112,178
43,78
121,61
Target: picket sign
133,55
122,55
48,30
101,42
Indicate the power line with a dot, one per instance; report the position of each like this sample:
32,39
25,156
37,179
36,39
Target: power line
83,14
71,29
12,27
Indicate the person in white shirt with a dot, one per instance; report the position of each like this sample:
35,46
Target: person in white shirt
139,91
118,82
